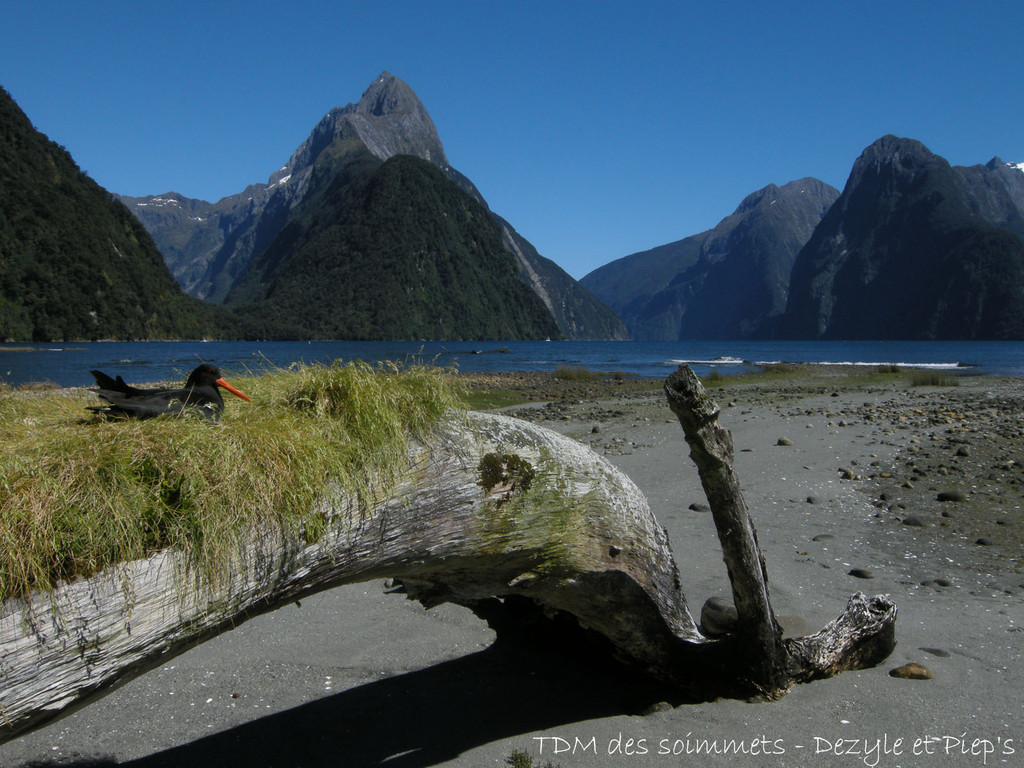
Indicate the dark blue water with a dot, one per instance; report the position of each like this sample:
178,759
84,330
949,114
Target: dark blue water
69,364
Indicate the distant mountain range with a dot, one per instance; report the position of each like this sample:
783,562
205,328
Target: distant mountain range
913,248
368,233
310,228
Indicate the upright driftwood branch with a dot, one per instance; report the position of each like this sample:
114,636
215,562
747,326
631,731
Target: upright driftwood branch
491,512
711,449
863,636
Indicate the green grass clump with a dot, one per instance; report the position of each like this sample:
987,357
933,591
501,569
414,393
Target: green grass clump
78,495
932,378
575,373
493,399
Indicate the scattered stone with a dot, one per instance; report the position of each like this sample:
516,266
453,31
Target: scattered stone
912,671
963,450
914,521
823,537
784,441
984,541
718,617
695,507
660,706
812,499
951,496
596,430
861,573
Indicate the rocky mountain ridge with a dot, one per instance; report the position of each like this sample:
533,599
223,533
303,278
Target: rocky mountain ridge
914,248
727,282
210,246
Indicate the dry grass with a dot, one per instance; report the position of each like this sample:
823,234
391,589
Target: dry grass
78,495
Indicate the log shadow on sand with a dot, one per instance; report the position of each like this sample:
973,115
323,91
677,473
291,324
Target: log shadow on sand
428,716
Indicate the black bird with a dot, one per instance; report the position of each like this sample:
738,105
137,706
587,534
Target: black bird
200,396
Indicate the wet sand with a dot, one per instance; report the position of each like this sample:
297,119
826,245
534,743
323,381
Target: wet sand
842,476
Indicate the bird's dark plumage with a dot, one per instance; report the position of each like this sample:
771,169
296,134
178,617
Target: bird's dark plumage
200,395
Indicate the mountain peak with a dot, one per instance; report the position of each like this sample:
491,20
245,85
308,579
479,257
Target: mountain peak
389,120
892,157
896,151
388,95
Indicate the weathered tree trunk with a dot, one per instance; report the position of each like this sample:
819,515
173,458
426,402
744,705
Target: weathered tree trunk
491,512
490,507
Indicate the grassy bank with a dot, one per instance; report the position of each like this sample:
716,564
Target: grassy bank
77,494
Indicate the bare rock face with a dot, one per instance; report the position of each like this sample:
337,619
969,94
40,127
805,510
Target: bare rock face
389,120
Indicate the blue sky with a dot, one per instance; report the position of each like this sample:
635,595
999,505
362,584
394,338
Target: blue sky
596,128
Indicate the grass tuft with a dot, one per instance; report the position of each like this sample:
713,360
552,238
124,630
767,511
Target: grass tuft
77,495
932,378
575,373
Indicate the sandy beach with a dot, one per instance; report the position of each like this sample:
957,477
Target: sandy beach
855,483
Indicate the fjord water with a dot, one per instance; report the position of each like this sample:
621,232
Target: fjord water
68,364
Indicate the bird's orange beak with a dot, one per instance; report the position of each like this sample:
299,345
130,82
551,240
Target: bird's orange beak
232,390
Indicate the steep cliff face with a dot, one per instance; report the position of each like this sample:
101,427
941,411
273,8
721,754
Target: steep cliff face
741,281
390,250
74,262
210,246
730,282
912,249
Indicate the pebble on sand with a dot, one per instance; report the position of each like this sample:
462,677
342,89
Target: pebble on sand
951,496
912,671
718,617
861,573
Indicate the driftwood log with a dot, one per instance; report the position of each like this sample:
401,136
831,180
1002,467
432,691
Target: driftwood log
492,513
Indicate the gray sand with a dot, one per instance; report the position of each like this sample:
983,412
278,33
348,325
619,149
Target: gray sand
356,677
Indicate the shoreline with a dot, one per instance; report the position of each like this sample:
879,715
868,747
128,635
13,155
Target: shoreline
358,677
958,467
